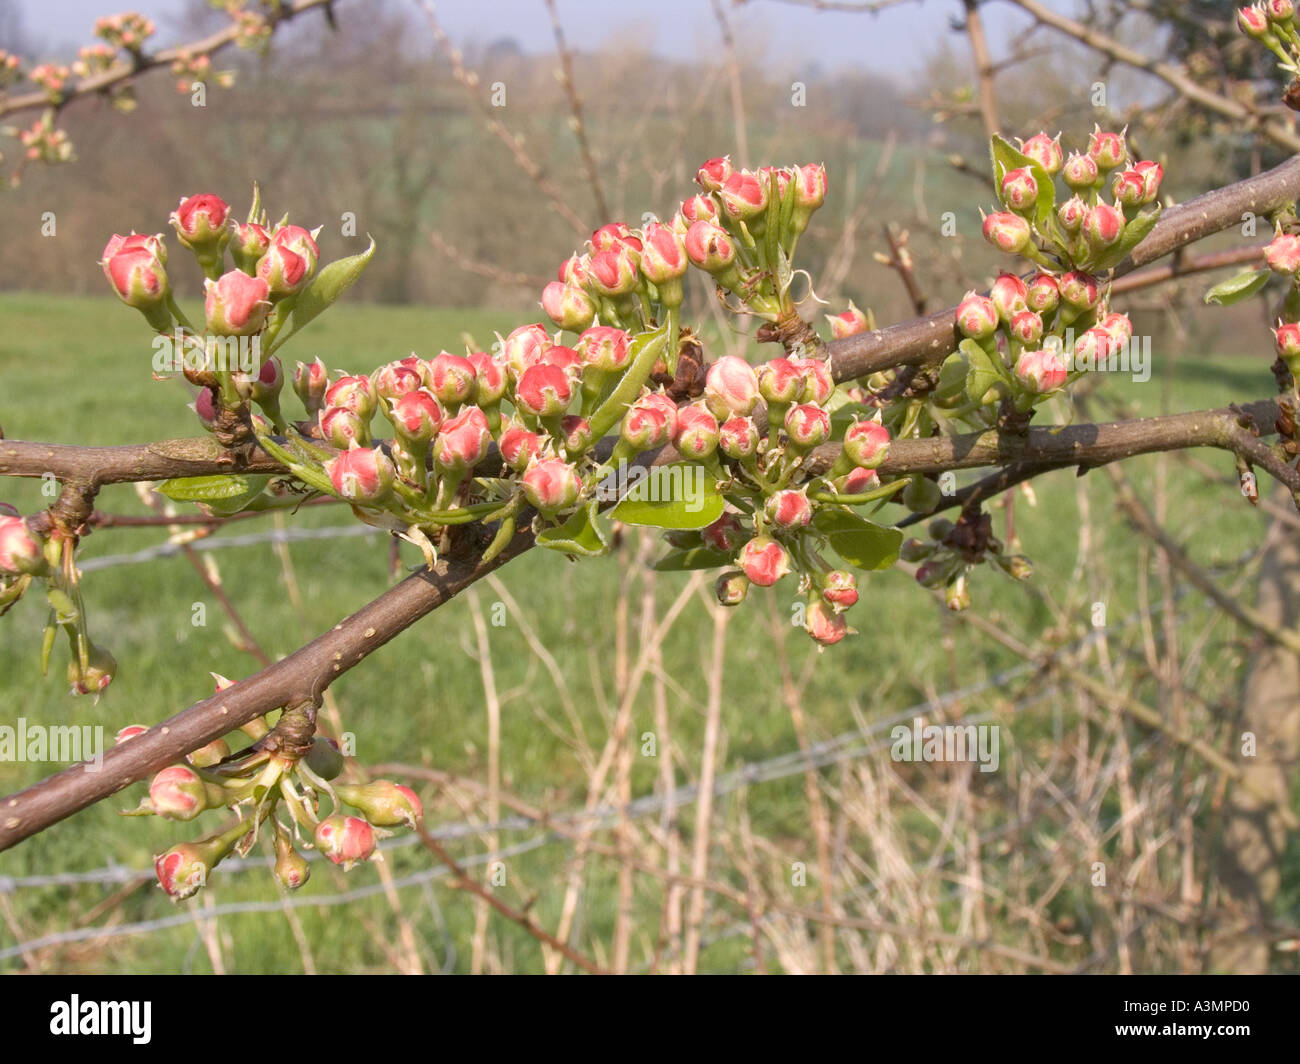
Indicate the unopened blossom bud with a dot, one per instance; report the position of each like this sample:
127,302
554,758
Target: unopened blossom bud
134,267
714,174
384,803
1253,22
818,382
518,447
345,840
743,195
355,393
788,509
1026,326
857,481
738,437
1287,335
1103,226
824,624
915,550
291,867
568,306
956,596
613,271
299,241
1007,232
710,248
731,387
935,571
780,381
523,347
564,358
731,587
248,243
200,223
807,425
1118,327
1081,291
1279,11
1091,348
1129,189
604,348
285,271
309,382
265,386
725,534
809,186
697,209
491,378
178,793
451,378
361,474
763,560
1009,295
1152,174
977,317
544,391
850,322
94,679
866,443
1108,150
576,434
341,428
1019,189
1283,253
463,441
1045,151
1042,293
393,380
645,426
551,485
573,270
696,434
1080,172
236,304
20,550
840,590
183,870
1071,214
1040,372
416,416
663,257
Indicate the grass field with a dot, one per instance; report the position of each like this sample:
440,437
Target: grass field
77,371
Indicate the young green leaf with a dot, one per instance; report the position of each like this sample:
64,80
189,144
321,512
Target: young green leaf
1240,287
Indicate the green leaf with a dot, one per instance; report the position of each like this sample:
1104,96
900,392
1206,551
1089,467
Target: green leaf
586,533
858,541
1235,289
983,374
679,561
324,289
226,493
643,352
1005,158
673,496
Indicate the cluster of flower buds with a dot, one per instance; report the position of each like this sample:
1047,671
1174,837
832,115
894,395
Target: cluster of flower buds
281,792
11,69
192,69
93,59
129,30
51,79
1273,24
953,549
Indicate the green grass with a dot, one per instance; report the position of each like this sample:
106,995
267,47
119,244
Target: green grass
77,371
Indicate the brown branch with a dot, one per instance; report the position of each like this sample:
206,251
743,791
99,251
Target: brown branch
575,107
979,47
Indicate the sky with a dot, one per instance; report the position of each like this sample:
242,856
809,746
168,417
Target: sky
891,42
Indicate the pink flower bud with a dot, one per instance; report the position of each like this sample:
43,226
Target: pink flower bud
236,304
310,382
1009,295
451,378
1287,335
604,348
1019,189
1279,11
1118,328
345,840
697,433
788,509
1007,232
1026,326
564,358
576,433
355,393
725,534
490,378
524,347
1108,150
1152,174
699,209
361,474
807,425
824,624
1045,151
645,425
183,870
1080,290
394,380
810,186
129,732
200,222
664,256
94,679
714,174
857,481
1080,172
291,868
738,437
743,195
780,381
1253,22
763,560
848,323
248,244
134,267
1071,214
1129,189
840,591
568,306
613,271
866,443
519,447
551,485
613,236
573,271
709,247
384,803
731,587
1040,371
1283,253
20,551
977,317
416,416
178,793
544,391
342,428
1103,226
463,441
731,387
1042,293
1090,349
283,269
818,382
